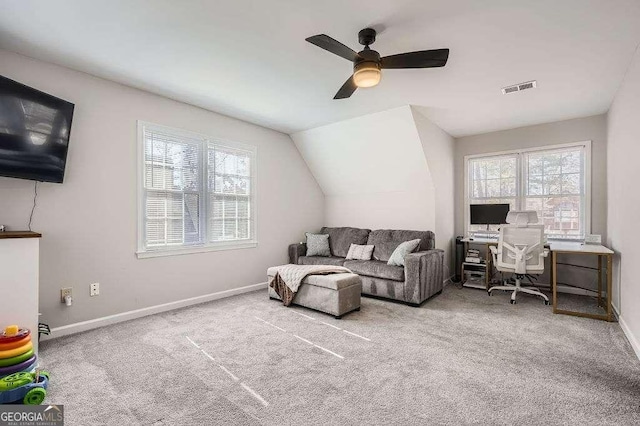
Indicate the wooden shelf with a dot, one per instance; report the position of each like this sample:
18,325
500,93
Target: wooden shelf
19,234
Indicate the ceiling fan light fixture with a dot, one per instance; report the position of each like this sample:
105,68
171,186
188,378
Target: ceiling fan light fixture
366,74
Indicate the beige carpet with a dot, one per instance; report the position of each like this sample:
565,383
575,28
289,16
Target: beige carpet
461,358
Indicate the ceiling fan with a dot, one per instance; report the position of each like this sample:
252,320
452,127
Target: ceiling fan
367,64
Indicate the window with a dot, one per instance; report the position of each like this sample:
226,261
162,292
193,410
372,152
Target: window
493,180
195,193
554,181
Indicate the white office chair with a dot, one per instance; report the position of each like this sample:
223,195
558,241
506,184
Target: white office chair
520,251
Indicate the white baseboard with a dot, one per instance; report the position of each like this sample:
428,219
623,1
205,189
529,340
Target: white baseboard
635,343
139,313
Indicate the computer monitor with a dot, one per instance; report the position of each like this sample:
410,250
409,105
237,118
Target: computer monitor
489,214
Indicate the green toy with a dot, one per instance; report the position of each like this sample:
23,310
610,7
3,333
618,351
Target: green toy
16,359
28,388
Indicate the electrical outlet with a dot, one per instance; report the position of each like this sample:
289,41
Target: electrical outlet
65,292
94,289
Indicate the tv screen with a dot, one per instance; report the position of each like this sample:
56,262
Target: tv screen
34,133
489,214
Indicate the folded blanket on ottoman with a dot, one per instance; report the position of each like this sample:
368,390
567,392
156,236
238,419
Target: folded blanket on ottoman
288,278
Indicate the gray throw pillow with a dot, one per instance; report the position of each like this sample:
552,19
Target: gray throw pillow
398,255
359,252
318,245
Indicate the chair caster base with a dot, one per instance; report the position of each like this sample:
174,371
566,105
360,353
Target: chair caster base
513,302
546,302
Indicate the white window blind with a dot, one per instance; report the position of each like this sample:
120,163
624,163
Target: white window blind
553,181
196,193
493,180
229,193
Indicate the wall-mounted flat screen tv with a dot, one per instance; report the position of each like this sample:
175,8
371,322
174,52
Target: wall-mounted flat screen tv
34,133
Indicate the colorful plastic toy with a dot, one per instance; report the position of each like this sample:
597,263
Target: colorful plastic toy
13,333
10,353
18,382
23,366
15,344
28,388
5,362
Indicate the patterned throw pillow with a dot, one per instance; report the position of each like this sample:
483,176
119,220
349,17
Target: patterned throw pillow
318,245
359,252
398,255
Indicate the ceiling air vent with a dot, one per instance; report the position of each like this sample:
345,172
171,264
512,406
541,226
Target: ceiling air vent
519,87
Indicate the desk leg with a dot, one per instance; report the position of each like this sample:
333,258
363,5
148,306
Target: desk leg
465,247
599,281
609,286
554,280
487,266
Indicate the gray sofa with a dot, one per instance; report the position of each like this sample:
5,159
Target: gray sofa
420,278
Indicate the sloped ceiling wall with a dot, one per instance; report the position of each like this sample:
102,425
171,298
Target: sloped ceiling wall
439,152
392,169
372,171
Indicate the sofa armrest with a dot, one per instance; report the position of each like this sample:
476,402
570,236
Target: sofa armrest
423,275
295,251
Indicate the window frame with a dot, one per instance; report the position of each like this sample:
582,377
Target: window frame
521,180
204,246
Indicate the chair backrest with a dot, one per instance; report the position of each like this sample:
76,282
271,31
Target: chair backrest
522,217
521,244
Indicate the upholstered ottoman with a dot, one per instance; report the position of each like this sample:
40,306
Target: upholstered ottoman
335,294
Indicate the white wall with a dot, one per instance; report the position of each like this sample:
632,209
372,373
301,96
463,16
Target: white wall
624,200
439,151
372,171
89,222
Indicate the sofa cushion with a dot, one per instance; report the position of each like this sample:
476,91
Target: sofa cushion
318,245
375,268
398,255
359,252
320,260
386,241
340,239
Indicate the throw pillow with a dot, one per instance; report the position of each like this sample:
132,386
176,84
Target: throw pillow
398,255
359,252
318,245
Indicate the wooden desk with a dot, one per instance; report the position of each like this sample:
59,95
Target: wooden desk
587,249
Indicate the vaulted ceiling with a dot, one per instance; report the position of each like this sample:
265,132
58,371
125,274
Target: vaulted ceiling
249,59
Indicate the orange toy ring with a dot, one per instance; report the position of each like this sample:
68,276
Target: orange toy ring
17,351
16,344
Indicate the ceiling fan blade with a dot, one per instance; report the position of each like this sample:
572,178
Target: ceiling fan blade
334,46
421,59
347,89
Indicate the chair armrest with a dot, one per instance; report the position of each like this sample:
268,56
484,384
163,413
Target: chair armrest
295,251
423,275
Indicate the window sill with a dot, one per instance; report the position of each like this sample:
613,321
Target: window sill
234,245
